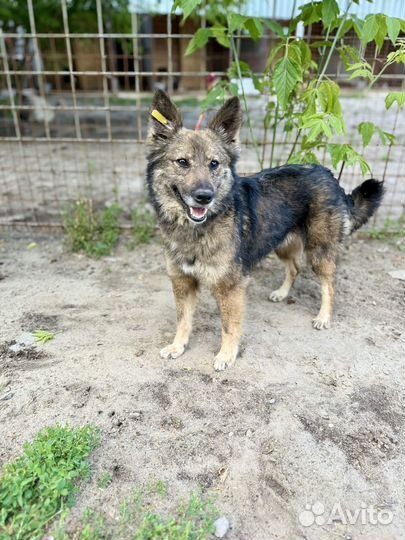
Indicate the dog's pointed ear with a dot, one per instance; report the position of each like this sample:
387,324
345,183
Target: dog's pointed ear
228,121
165,118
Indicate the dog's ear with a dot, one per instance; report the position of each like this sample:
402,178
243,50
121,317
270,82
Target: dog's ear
228,121
165,118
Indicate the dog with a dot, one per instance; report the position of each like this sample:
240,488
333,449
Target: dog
217,225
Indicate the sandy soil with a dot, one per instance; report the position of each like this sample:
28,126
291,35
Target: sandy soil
303,417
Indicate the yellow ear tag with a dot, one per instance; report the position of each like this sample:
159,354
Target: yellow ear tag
159,117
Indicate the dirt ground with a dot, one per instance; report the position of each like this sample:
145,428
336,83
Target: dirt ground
304,417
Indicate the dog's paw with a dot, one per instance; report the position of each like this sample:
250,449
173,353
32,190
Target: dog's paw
224,360
172,351
278,296
321,323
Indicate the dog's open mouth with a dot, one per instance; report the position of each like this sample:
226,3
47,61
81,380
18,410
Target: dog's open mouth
198,215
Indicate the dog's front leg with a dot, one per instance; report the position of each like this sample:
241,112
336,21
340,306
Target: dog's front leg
185,289
231,303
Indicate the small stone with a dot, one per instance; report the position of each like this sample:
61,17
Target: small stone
26,339
397,274
230,434
7,396
221,527
249,433
16,348
271,401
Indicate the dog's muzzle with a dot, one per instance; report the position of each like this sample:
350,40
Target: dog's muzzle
197,204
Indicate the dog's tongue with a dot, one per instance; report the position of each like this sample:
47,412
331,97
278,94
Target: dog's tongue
198,213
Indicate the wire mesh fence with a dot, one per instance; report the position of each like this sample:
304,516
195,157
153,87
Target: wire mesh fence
74,108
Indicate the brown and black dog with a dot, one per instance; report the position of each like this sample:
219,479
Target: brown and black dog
216,225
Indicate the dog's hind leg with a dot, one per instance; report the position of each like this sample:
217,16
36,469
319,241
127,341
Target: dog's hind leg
291,253
231,303
325,268
185,289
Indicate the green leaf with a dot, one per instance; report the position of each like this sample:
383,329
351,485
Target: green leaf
330,11
220,34
199,39
349,55
328,94
310,13
286,75
382,30
362,72
236,22
43,336
346,153
186,6
254,27
275,27
395,97
370,29
393,28
366,130
217,93
385,137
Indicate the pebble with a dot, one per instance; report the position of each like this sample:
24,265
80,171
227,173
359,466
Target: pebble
26,339
221,527
397,274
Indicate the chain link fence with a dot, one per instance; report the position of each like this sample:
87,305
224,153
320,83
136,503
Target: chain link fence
74,108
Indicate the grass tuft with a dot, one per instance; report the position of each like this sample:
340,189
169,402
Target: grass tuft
143,225
95,233
392,231
43,336
42,482
144,516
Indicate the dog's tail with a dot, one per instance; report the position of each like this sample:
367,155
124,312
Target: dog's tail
364,201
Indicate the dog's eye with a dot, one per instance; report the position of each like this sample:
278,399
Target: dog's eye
214,164
182,162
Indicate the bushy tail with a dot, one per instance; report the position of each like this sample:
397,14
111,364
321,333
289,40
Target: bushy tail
364,201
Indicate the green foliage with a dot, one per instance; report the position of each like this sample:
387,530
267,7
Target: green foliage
395,97
367,130
200,39
345,153
143,225
105,480
43,336
94,232
42,482
82,15
139,519
392,231
286,75
192,521
302,99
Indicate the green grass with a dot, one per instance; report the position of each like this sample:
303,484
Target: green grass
43,481
43,336
93,232
192,520
392,231
138,519
105,480
143,225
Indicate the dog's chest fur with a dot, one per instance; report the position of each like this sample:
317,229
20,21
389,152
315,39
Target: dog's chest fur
208,254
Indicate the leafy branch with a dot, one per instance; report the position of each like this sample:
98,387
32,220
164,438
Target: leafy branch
301,99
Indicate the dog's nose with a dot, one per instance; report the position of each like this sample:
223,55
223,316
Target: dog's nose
203,196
